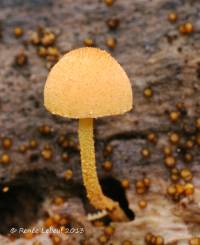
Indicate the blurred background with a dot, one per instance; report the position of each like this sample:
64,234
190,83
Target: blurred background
147,160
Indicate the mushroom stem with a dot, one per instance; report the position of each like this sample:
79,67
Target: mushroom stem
90,179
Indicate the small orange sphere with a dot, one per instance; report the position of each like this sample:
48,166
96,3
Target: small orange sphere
194,241
189,189
148,238
89,42
189,27
49,222
102,239
142,204
109,2
167,150
107,165
188,157
5,159
33,144
170,161
172,17
111,42
58,201
174,138
18,31
198,123
145,152
57,240
125,183
147,182
186,28
174,116
109,230
152,137
47,154
171,190
6,143
186,174
113,23
48,39
148,92
127,242
68,174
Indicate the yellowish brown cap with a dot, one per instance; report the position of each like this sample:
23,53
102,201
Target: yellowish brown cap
87,83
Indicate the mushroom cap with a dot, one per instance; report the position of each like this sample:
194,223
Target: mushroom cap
87,83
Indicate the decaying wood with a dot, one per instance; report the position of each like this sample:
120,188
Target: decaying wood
155,55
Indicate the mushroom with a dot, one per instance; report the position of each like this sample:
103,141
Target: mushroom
85,84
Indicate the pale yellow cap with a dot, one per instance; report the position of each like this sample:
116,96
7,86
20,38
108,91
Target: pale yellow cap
87,83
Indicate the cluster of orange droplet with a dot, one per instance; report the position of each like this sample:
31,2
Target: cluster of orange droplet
112,24
44,40
151,239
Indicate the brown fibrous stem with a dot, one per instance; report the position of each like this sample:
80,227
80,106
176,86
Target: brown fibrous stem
89,173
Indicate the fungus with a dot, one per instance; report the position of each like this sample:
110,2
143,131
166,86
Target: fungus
189,144
147,182
186,174
167,150
5,189
102,239
197,139
36,243
55,239
140,187
18,31
6,143
58,201
108,150
186,28
88,42
174,116
47,153
198,123
174,138
148,92
108,231
152,137
5,159
189,189
145,152
194,241
152,239
170,161
188,157
142,204
172,17
68,174
21,59
113,23
49,222
23,148
125,183
42,51
109,2
111,42
33,144
107,165
48,39
127,242
88,83
65,156
175,174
